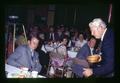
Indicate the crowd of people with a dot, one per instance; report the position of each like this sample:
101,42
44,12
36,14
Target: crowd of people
101,41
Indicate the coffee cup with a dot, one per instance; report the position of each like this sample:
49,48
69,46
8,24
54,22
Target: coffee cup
34,74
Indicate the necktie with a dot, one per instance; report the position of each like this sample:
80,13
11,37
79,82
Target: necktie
93,51
51,36
32,60
100,45
32,57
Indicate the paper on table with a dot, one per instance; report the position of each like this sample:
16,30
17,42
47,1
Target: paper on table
12,69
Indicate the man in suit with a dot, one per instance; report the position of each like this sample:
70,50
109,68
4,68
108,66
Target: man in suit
51,35
105,68
80,61
25,55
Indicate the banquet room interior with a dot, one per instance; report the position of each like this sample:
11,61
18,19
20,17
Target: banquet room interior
69,23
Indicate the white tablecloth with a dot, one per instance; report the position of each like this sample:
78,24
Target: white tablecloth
72,54
12,69
46,48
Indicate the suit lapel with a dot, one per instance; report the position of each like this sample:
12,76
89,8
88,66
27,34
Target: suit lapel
89,50
29,54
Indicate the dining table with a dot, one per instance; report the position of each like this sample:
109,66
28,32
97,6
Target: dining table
14,72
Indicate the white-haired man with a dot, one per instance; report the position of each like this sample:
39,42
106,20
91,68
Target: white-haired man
105,68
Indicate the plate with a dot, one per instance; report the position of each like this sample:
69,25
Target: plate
40,76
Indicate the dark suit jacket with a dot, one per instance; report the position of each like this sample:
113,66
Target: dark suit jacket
106,66
47,36
83,52
21,57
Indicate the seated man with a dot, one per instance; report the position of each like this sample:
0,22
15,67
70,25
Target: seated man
80,61
25,55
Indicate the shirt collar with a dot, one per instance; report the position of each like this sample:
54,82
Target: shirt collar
91,49
103,34
31,50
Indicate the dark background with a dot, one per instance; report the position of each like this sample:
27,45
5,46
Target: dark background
64,14
86,12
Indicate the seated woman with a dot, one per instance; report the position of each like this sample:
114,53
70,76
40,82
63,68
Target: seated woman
59,53
57,59
80,42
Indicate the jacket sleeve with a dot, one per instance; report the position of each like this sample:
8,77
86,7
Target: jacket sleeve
13,58
107,66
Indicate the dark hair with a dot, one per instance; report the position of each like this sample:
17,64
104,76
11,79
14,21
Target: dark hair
91,37
64,37
33,34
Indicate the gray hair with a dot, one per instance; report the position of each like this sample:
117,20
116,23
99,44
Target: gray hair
97,22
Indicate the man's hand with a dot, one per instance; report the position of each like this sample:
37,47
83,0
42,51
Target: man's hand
22,67
87,72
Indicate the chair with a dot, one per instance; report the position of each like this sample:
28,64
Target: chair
57,65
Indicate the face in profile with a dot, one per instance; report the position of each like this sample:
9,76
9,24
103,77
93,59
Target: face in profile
33,43
65,41
96,32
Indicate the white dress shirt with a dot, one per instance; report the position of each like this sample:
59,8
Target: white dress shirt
103,34
79,43
52,36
